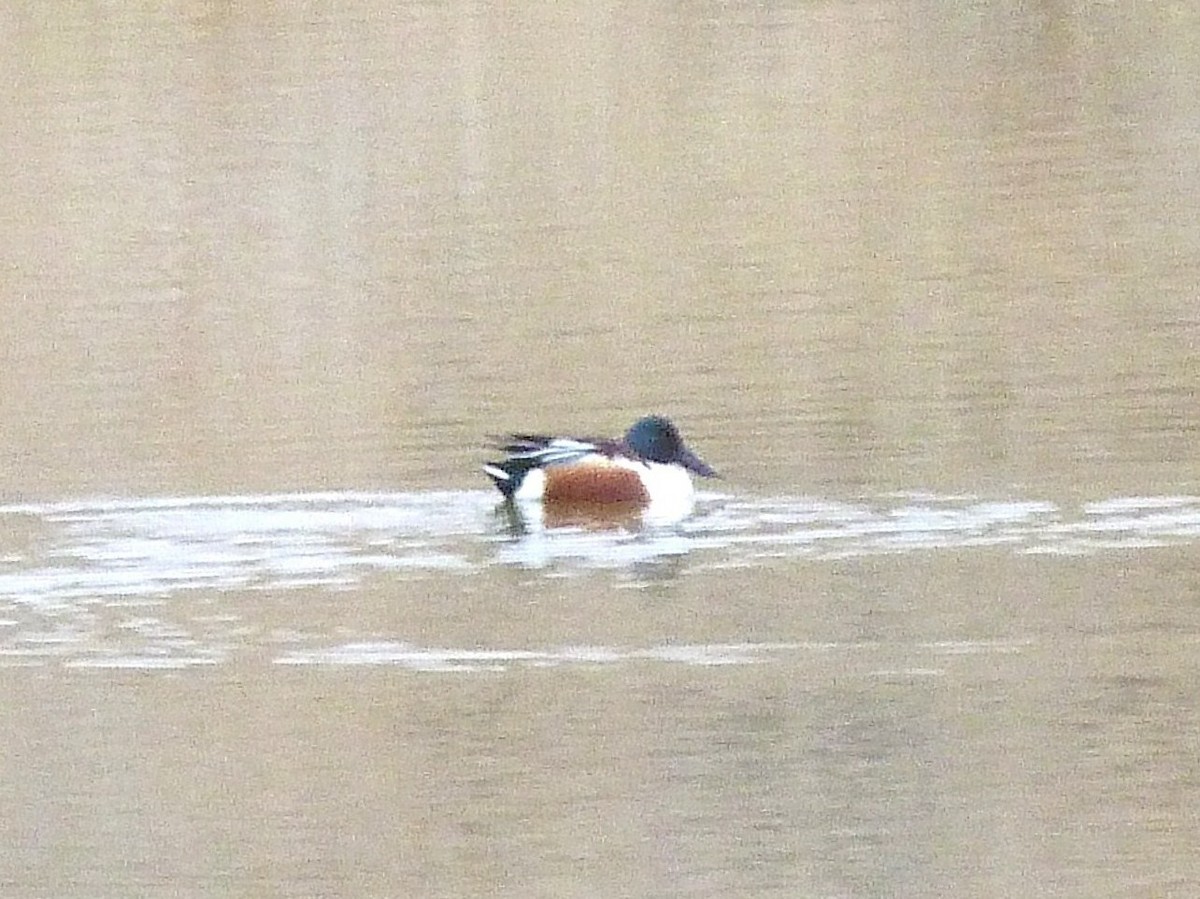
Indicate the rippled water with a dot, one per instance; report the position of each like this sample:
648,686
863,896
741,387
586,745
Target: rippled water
132,565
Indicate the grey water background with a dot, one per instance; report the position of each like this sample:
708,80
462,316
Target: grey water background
922,283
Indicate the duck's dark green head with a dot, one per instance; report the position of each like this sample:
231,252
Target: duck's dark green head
655,439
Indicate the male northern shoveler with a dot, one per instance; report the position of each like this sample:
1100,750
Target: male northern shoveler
650,464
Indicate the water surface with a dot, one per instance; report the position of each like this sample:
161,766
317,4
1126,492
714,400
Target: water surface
920,282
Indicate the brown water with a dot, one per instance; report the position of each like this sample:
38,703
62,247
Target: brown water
921,281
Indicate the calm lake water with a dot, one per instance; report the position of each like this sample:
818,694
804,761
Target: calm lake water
922,282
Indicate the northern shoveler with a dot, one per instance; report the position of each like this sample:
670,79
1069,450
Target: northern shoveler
649,465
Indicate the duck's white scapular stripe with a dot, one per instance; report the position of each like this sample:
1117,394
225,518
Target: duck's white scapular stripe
559,451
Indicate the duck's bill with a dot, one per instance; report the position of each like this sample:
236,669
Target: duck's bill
694,463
